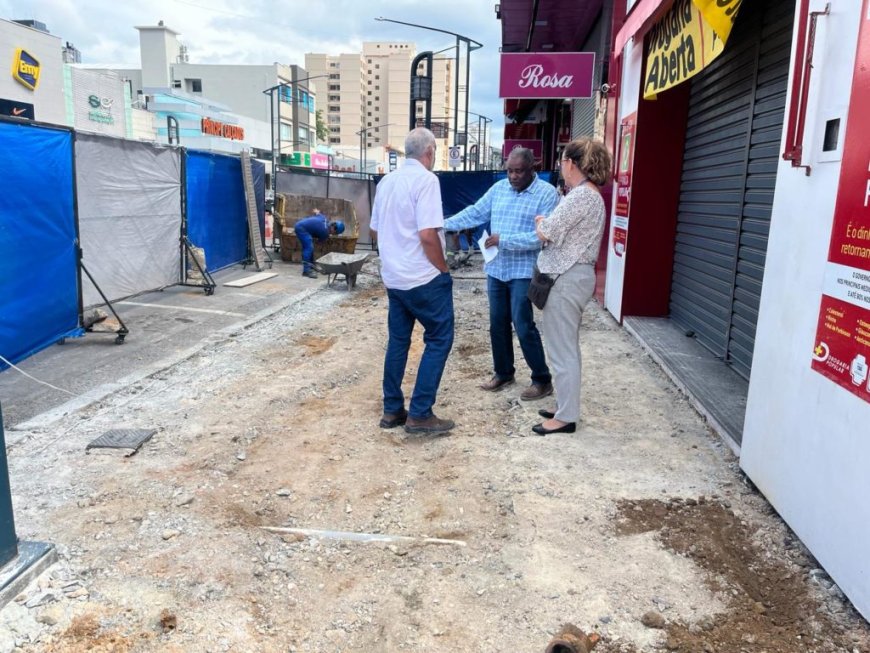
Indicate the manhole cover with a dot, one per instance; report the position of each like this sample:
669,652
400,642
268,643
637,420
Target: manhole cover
130,439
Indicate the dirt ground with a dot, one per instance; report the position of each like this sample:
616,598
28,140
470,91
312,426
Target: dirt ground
639,527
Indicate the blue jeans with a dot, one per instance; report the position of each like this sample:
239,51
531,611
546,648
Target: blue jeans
307,243
432,306
509,303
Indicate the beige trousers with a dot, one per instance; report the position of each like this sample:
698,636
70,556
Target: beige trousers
561,326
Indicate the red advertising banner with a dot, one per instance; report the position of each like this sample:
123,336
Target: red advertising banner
623,184
842,347
626,159
546,76
535,145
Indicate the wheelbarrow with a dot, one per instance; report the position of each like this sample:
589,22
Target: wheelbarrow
336,263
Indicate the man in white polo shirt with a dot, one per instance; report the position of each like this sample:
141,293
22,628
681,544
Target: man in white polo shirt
408,224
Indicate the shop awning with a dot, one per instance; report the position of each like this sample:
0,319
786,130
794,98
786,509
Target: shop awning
643,16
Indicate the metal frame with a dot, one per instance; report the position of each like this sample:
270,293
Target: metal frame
122,331
271,93
468,50
803,68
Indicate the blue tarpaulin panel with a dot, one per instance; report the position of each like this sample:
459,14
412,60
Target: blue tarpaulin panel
38,269
216,209
258,171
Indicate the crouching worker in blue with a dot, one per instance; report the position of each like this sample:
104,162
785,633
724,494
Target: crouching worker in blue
307,229
408,223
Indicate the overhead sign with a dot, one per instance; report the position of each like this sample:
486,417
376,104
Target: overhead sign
26,69
536,145
215,128
16,109
393,161
842,348
546,76
683,43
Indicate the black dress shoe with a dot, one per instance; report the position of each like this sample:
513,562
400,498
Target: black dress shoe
570,427
546,414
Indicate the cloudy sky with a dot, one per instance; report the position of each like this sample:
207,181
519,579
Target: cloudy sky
265,31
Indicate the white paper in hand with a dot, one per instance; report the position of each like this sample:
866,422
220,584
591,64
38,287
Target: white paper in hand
489,253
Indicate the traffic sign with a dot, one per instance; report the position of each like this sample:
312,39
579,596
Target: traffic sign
454,159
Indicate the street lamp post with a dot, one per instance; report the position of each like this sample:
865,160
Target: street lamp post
468,50
363,153
271,93
486,122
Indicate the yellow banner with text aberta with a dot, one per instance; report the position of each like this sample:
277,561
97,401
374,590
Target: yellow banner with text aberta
680,45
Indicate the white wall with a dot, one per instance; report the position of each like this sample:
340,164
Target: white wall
806,443
47,99
158,48
239,87
629,97
143,125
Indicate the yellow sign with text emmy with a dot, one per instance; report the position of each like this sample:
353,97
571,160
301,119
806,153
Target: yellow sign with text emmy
26,69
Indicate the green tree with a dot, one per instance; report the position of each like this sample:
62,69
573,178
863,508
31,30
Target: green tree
322,131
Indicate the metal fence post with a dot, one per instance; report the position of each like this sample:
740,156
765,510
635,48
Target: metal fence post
8,539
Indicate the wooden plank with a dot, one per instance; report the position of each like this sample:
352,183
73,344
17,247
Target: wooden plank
254,278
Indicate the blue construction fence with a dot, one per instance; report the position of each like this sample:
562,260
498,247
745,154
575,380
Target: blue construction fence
47,176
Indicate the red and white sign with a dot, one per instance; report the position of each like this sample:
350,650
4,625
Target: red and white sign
842,348
535,145
623,184
319,161
546,76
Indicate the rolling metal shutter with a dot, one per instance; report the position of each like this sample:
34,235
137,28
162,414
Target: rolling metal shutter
729,172
583,112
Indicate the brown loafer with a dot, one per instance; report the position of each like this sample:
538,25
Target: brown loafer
392,420
430,425
495,384
537,391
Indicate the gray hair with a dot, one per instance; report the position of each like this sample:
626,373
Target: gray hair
523,153
417,142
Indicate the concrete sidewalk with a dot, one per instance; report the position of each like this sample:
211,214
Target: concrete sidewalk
165,327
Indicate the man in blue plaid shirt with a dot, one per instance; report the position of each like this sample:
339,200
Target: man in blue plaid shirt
511,206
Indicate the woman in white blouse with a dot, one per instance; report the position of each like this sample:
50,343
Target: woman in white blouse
572,237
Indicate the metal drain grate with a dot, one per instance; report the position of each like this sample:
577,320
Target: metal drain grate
122,439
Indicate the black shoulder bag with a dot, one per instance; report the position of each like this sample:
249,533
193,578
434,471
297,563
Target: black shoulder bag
540,286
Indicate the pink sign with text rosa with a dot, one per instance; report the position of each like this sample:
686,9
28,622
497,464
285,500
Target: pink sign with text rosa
547,76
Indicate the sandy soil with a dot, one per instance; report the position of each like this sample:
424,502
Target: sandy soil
639,527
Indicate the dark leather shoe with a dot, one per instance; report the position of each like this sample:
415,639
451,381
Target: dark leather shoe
537,391
570,427
392,420
311,274
546,414
495,384
430,425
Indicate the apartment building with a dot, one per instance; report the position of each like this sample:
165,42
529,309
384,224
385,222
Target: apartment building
368,99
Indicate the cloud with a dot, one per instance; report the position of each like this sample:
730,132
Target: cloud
266,31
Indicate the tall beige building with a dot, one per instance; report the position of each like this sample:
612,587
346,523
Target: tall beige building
369,92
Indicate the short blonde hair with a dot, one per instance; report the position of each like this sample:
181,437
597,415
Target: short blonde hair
591,157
